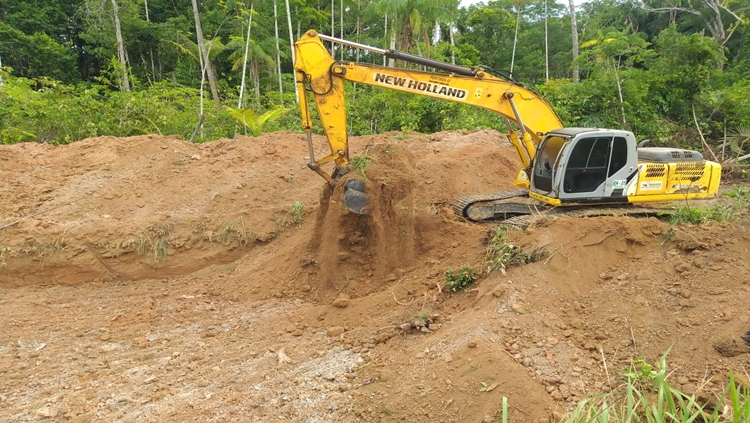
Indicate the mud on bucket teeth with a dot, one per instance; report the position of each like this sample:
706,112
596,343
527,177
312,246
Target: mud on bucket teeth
355,198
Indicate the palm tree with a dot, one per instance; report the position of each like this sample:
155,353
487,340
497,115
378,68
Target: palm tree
256,57
410,19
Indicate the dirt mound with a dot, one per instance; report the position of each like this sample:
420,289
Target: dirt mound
147,278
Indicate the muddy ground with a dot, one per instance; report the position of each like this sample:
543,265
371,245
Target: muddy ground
153,280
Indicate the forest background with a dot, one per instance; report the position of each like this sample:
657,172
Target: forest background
674,71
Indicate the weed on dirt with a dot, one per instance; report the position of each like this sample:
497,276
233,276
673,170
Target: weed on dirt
501,253
457,279
647,396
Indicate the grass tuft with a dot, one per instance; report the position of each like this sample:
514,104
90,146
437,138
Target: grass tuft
298,212
501,253
647,396
359,164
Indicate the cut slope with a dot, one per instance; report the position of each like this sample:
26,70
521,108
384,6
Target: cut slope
195,326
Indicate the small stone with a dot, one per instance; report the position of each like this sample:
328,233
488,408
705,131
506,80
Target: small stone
682,380
518,308
567,333
46,411
342,301
335,331
605,276
447,358
683,267
472,344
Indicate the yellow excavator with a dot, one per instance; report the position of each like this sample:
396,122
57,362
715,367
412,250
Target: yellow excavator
581,168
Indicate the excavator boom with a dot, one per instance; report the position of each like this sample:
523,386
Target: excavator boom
324,76
592,168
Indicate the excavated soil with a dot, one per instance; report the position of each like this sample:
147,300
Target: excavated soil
147,279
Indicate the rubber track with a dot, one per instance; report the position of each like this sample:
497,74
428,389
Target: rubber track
459,207
523,221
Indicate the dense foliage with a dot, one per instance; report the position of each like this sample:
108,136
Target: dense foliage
667,70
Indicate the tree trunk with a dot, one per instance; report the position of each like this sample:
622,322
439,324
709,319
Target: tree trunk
546,44
299,24
150,50
574,35
515,41
256,78
385,33
208,69
341,28
291,44
278,51
244,59
392,62
333,29
124,82
453,45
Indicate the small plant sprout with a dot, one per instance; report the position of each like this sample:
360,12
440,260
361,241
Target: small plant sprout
460,278
298,212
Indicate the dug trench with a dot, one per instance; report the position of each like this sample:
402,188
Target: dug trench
224,282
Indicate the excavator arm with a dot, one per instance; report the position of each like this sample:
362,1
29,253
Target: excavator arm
324,77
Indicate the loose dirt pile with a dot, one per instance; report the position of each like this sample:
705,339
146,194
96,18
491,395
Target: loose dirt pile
149,279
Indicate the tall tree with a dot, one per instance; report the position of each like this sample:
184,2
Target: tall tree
276,41
291,44
574,37
713,13
205,61
244,58
124,82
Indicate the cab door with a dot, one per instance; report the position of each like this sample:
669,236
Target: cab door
598,168
587,167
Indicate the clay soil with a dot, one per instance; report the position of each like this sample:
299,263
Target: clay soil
148,279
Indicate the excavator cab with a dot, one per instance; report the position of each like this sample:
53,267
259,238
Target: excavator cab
584,165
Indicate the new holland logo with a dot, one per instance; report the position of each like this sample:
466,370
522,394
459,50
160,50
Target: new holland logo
412,85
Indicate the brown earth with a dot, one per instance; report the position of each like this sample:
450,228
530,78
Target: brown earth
158,280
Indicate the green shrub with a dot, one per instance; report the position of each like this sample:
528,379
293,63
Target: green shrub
460,278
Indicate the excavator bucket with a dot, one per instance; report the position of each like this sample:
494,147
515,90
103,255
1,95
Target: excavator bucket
355,198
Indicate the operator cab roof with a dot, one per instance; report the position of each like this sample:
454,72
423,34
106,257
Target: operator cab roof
572,132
